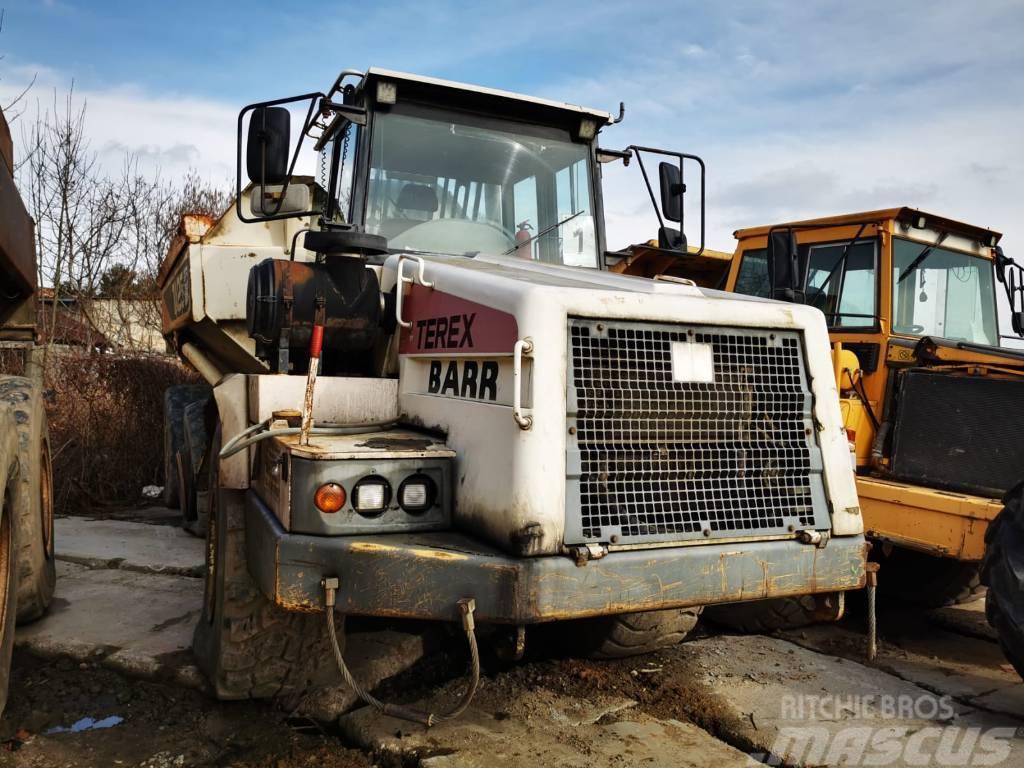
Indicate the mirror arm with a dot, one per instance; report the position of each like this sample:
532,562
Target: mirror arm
647,181
682,156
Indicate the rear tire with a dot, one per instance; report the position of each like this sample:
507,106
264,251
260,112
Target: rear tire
247,646
633,634
31,497
8,548
175,400
1003,572
927,581
759,617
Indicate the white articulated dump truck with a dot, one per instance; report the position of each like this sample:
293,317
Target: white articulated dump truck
432,401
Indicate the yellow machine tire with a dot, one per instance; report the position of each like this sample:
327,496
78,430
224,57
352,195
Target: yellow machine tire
32,497
928,581
1003,572
8,547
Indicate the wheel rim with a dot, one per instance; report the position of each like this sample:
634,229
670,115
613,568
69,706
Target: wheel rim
46,500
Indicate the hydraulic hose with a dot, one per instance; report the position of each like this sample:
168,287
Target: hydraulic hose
466,607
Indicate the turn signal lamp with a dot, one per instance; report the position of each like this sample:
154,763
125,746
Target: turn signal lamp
329,498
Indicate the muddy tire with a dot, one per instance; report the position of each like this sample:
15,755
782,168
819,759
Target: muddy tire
632,634
926,581
759,617
1003,572
190,463
8,547
247,646
175,400
31,497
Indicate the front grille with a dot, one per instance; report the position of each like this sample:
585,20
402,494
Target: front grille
957,432
650,458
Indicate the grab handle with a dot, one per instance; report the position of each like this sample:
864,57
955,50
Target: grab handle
522,347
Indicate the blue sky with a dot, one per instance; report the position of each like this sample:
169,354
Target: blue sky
800,108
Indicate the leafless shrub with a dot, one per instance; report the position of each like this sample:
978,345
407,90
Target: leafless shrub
105,414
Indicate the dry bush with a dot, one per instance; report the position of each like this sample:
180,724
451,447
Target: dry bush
106,425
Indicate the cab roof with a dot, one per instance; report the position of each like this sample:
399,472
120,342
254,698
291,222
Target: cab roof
418,86
904,214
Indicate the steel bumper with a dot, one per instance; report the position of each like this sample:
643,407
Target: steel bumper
423,575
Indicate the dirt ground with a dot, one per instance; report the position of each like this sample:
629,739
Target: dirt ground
163,726
698,683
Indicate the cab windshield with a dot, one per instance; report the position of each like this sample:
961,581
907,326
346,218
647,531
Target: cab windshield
445,186
942,293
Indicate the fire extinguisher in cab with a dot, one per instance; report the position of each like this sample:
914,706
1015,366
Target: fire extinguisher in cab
523,237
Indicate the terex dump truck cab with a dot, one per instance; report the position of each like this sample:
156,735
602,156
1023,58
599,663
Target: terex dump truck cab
483,419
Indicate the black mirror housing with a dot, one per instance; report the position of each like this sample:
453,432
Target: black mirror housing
787,268
671,239
268,145
672,191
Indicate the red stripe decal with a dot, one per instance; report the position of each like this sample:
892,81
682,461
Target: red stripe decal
445,323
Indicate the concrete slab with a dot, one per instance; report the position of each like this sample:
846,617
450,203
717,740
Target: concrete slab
540,728
800,707
960,666
129,546
138,623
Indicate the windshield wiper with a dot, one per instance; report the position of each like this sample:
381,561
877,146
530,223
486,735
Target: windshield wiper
841,262
543,232
924,254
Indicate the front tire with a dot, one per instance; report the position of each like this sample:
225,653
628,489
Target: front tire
247,646
759,617
633,634
1003,572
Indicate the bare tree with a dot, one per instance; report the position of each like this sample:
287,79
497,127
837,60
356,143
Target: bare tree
101,234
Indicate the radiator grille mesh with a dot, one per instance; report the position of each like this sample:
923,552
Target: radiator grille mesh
660,459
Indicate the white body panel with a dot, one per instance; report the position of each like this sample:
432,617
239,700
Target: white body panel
510,480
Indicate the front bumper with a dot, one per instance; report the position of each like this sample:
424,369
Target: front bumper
423,575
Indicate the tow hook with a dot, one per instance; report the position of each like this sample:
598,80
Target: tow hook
466,608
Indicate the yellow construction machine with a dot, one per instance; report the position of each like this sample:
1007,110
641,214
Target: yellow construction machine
932,400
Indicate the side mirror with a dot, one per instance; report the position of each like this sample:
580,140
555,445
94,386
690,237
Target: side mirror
672,191
787,269
268,145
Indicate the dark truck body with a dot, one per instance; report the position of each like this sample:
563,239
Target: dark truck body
17,252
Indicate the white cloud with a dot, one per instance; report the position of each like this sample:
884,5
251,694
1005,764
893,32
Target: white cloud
167,133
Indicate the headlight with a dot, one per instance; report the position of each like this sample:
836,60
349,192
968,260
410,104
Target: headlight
329,498
417,494
371,496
